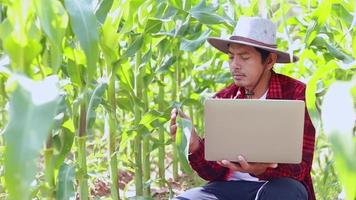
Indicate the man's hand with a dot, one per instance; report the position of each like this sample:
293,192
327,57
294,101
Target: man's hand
194,138
245,167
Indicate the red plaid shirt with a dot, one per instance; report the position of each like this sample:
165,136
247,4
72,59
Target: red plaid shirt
280,87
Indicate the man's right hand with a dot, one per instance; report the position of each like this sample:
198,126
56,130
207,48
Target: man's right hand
194,139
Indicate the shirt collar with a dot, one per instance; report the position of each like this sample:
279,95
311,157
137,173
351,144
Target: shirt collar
274,88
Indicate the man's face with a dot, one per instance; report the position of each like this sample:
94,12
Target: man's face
245,65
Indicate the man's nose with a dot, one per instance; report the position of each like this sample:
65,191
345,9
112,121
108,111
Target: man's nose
235,63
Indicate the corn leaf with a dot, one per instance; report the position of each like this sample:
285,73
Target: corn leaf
33,106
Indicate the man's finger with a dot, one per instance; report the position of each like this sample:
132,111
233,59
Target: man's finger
174,110
273,165
182,114
173,129
173,119
244,164
230,165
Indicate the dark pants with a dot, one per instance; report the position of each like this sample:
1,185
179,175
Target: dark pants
281,188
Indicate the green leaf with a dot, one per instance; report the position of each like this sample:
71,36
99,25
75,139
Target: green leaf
74,73
338,53
165,12
192,45
147,57
149,117
323,11
191,102
153,26
21,52
182,29
312,89
208,18
176,3
85,28
354,42
126,75
69,125
320,42
187,4
20,35
95,100
345,163
103,10
182,142
166,65
109,38
60,114
342,14
65,139
131,15
312,32
65,186
54,21
202,7
339,124
124,103
134,47
206,14
33,106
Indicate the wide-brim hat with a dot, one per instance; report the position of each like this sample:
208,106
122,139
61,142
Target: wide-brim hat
257,32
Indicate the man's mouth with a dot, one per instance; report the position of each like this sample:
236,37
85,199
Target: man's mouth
238,76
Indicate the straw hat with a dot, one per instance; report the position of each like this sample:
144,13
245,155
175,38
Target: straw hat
253,31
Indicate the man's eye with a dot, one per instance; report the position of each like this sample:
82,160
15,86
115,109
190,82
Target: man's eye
244,58
231,57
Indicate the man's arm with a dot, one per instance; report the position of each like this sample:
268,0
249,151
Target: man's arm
205,169
208,170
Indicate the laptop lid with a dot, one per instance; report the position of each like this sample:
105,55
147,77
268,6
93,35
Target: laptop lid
267,131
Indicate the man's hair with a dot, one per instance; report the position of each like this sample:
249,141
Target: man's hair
264,54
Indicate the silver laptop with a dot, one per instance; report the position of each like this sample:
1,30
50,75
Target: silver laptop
267,131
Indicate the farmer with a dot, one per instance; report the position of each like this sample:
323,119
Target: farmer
252,53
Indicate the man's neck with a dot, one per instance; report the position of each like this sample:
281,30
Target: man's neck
262,85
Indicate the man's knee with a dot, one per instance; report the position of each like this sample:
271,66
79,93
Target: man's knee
283,188
195,194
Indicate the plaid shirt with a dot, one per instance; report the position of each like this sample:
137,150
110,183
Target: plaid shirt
280,87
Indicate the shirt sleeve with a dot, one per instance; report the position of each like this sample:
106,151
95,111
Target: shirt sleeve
208,170
297,171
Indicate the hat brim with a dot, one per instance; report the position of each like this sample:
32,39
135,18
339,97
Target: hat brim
223,45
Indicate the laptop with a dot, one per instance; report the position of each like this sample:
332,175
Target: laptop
265,131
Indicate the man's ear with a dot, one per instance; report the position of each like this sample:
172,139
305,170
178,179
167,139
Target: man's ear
271,60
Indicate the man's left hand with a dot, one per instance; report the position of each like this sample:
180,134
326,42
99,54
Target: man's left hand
245,167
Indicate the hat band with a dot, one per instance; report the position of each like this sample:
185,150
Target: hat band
244,39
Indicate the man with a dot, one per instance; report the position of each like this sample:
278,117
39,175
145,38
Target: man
252,53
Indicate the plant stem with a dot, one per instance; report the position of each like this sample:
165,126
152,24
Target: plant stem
146,166
177,78
112,140
138,138
49,168
83,178
3,121
161,148
146,143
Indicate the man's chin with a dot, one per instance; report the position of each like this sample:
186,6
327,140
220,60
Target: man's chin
239,83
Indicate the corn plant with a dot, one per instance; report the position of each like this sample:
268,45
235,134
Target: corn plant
87,86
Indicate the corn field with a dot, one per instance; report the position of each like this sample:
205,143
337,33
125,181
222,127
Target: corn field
87,87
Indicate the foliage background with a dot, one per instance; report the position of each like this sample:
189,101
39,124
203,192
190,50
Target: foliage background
87,87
